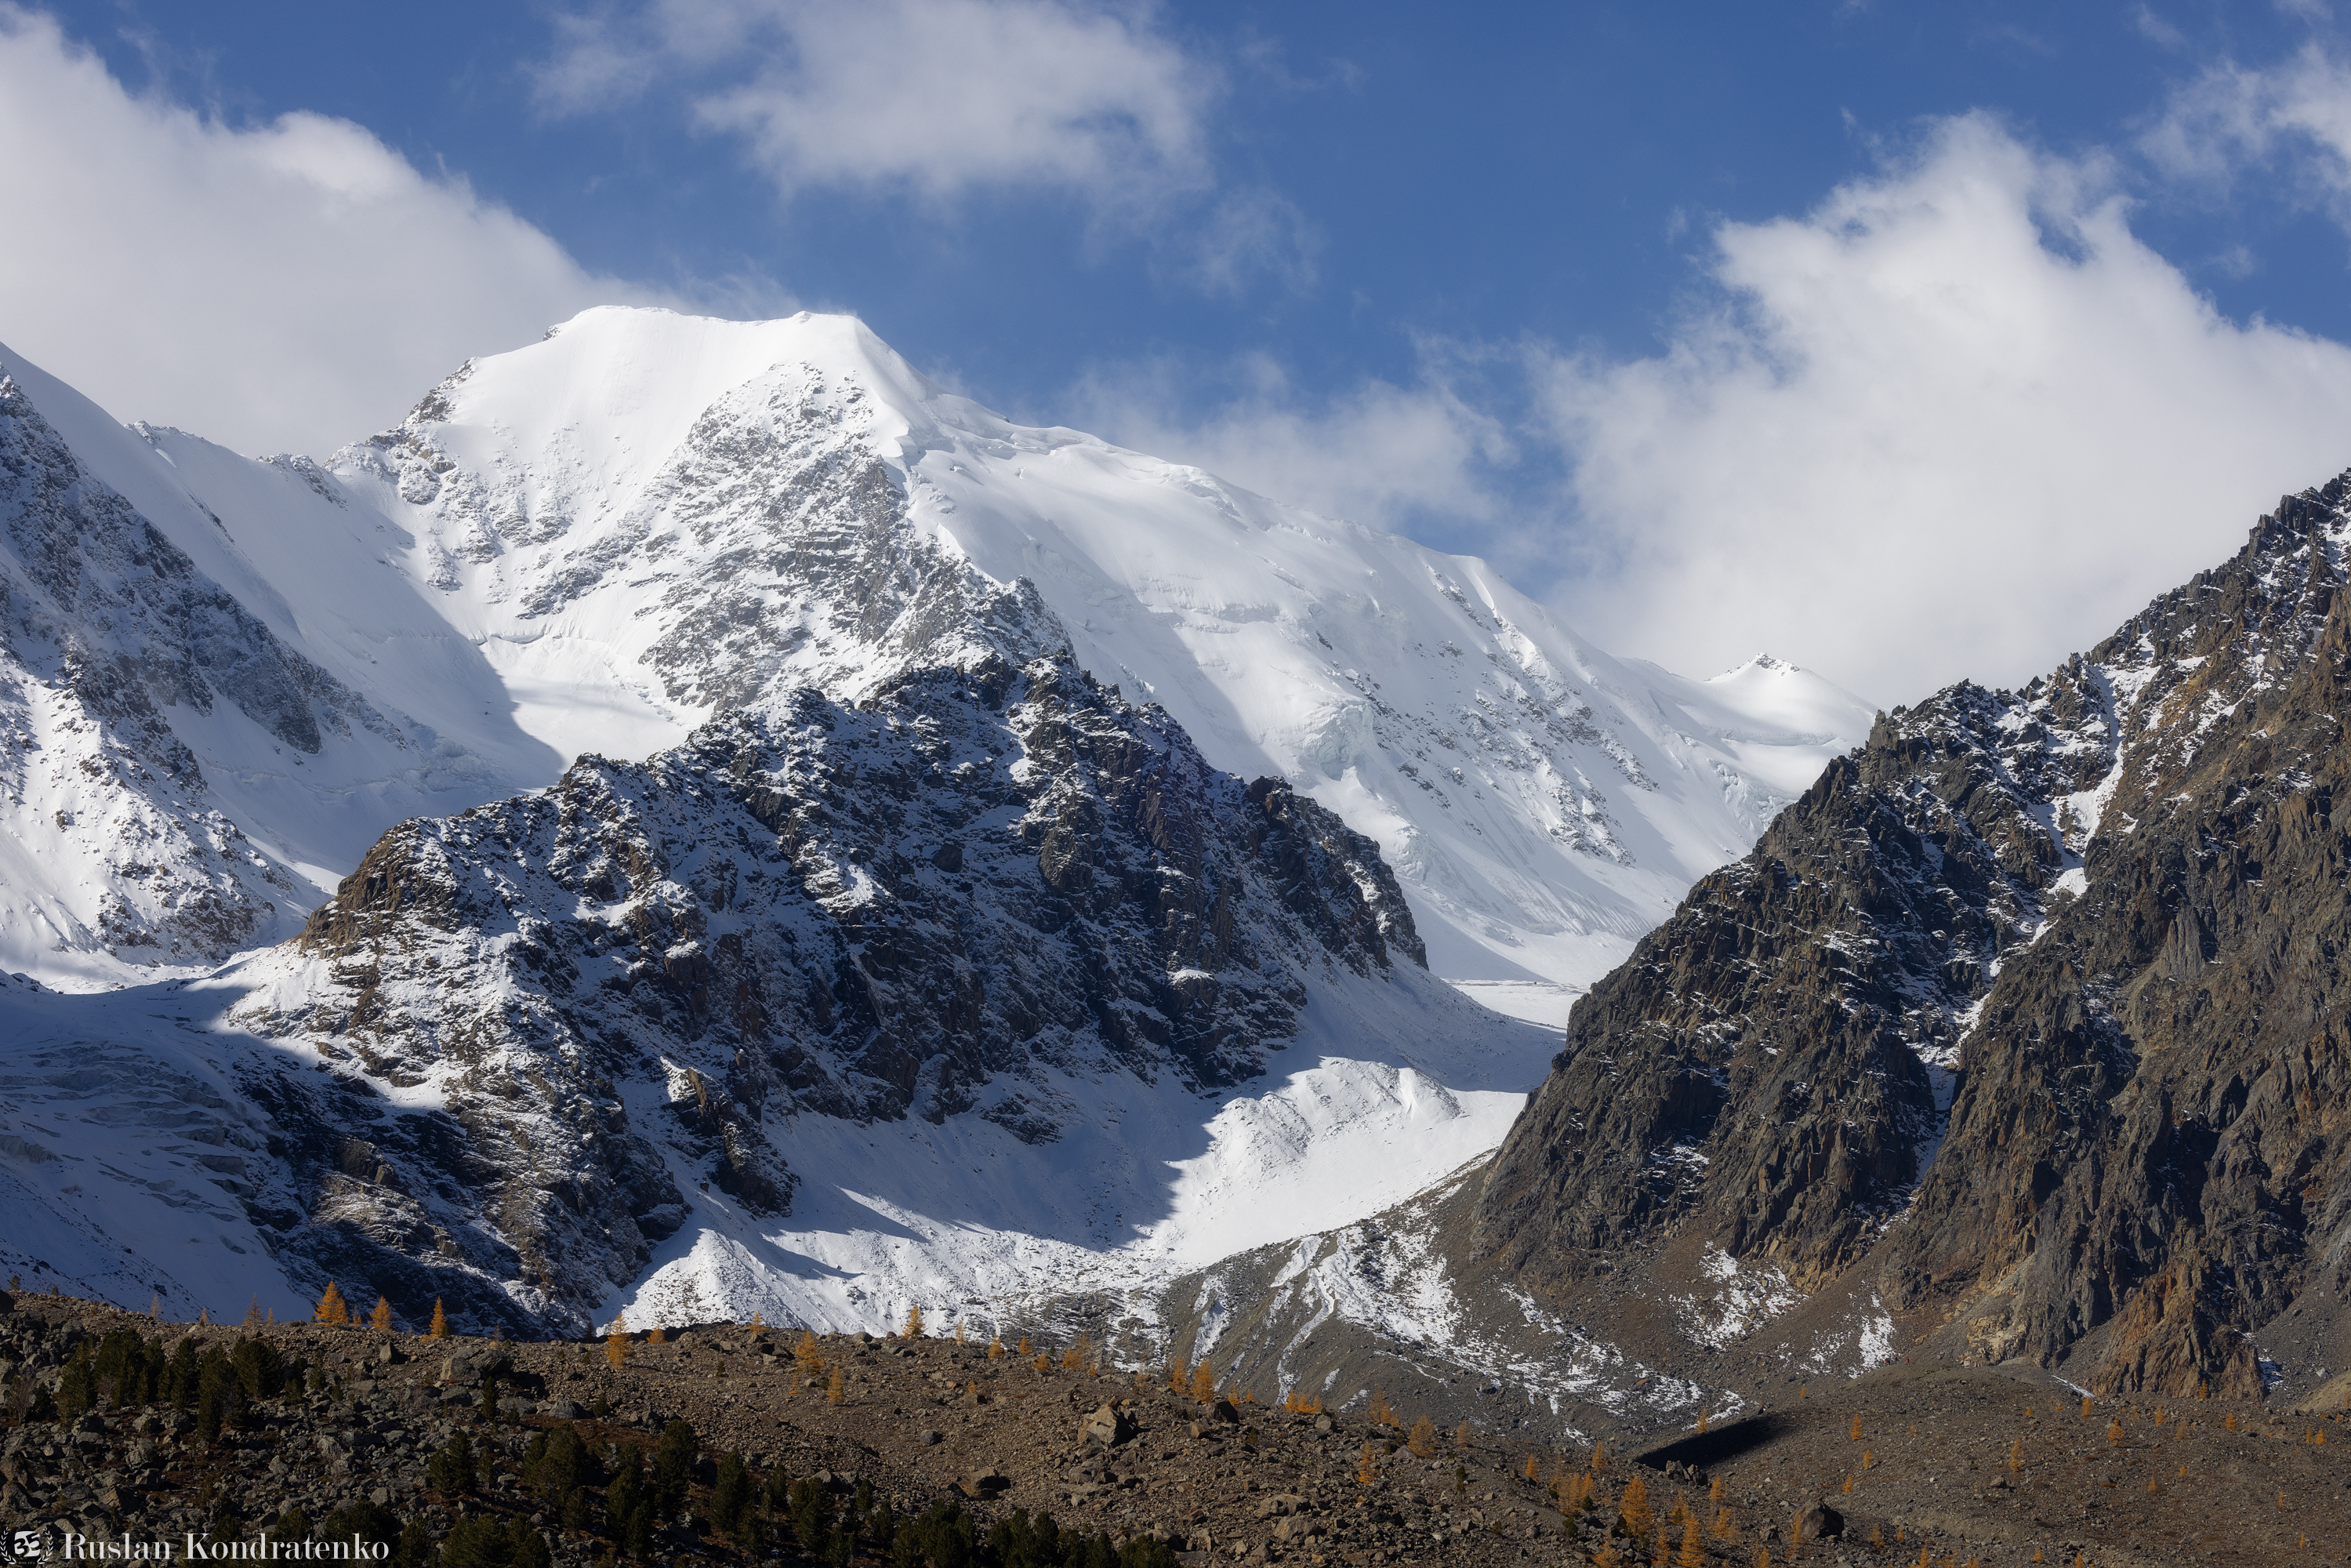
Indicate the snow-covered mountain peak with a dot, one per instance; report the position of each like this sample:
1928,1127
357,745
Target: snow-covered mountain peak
577,425
647,517
888,711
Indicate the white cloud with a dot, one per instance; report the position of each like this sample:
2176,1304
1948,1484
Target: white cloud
2294,117
1252,234
932,98
1381,454
1955,421
2155,30
288,286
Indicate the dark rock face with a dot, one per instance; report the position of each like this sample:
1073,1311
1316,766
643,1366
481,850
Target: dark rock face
2100,919
912,908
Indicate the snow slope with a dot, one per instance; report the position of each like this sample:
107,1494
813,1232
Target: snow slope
196,747
129,1150
136,1134
974,1223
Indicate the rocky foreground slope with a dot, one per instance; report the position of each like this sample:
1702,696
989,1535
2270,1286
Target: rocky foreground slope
726,1443
2017,1031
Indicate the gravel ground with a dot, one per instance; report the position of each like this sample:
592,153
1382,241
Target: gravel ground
1957,1464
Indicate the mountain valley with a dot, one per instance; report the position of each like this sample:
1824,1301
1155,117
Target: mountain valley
1002,873
860,871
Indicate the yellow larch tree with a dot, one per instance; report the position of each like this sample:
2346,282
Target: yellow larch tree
1634,1508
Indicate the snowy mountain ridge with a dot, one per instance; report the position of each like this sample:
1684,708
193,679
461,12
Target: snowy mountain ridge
595,511
615,545
561,550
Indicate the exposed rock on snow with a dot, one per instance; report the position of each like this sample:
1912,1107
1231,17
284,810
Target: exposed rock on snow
104,625
873,948
661,516
926,906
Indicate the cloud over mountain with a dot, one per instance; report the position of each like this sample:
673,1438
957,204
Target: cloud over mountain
288,284
1959,403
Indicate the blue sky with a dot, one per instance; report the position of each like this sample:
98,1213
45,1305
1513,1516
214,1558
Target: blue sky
1478,171
1719,326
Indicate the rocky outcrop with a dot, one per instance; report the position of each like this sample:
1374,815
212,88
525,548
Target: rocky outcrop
2020,1019
945,901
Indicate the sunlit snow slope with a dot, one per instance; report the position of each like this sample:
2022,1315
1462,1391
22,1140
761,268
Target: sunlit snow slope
579,509
208,709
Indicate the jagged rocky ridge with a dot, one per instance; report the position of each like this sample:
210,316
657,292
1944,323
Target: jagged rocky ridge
631,983
2102,920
